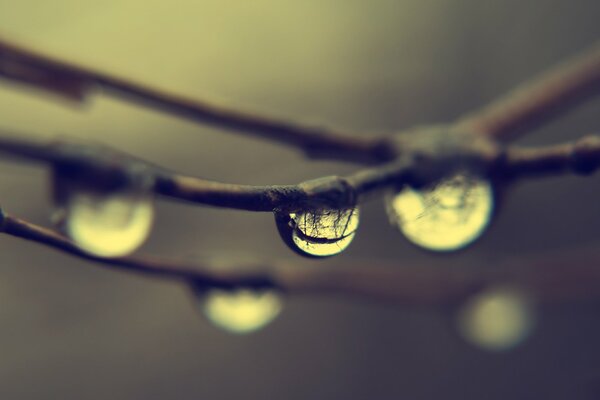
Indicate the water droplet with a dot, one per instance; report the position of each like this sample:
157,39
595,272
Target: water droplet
106,213
447,216
108,225
241,310
497,319
318,233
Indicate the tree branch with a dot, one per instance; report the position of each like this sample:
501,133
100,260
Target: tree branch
77,82
548,278
521,110
427,157
534,103
581,157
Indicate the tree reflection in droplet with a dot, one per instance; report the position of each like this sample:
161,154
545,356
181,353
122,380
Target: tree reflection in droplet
446,216
319,233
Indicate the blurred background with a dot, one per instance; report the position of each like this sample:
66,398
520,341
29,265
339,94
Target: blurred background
71,330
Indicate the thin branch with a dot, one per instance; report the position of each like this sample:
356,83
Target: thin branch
580,157
521,110
101,163
77,82
534,103
420,164
548,278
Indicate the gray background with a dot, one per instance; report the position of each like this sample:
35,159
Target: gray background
71,330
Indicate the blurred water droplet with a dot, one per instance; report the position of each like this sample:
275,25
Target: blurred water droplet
318,233
108,225
447,216
497,319
241,310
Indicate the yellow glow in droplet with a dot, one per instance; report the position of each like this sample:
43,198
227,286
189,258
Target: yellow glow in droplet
447,216
240,311
497,319
108,226
325,233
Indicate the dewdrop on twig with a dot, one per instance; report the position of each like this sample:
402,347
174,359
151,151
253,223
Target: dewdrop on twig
318,233
104,221
109,226
446,216
239,310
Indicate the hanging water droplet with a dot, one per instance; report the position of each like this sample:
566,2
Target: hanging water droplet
110,225
497,319
318,233
104,215
446,216
240,310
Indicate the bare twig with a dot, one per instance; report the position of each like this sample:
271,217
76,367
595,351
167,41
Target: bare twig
535,102
521,110
102,163
418,165
548,278
581,157
77,82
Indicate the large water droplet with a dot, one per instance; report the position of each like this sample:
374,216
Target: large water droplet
240,310
108,225
446,216
318,233
497,319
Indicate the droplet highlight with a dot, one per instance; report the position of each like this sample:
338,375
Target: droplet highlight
239,311
319,233
446,216
108,225
497,319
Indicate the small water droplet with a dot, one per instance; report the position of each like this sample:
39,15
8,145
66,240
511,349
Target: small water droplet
318,233
105,213
446,216
108,225
497,319
240,310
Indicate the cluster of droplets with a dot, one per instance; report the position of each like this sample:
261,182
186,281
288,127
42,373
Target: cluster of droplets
446,216
443,217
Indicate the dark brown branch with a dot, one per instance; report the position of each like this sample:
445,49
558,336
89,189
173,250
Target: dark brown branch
535,102
429,157
77,82
580,157
521,110
549,279
102,164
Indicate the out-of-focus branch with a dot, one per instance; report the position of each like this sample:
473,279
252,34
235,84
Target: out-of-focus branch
581,157
77,82
548,278
533,103
521,110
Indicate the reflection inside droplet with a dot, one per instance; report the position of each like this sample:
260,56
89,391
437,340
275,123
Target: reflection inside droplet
447,216
497,319
241,310
108,225
323,233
